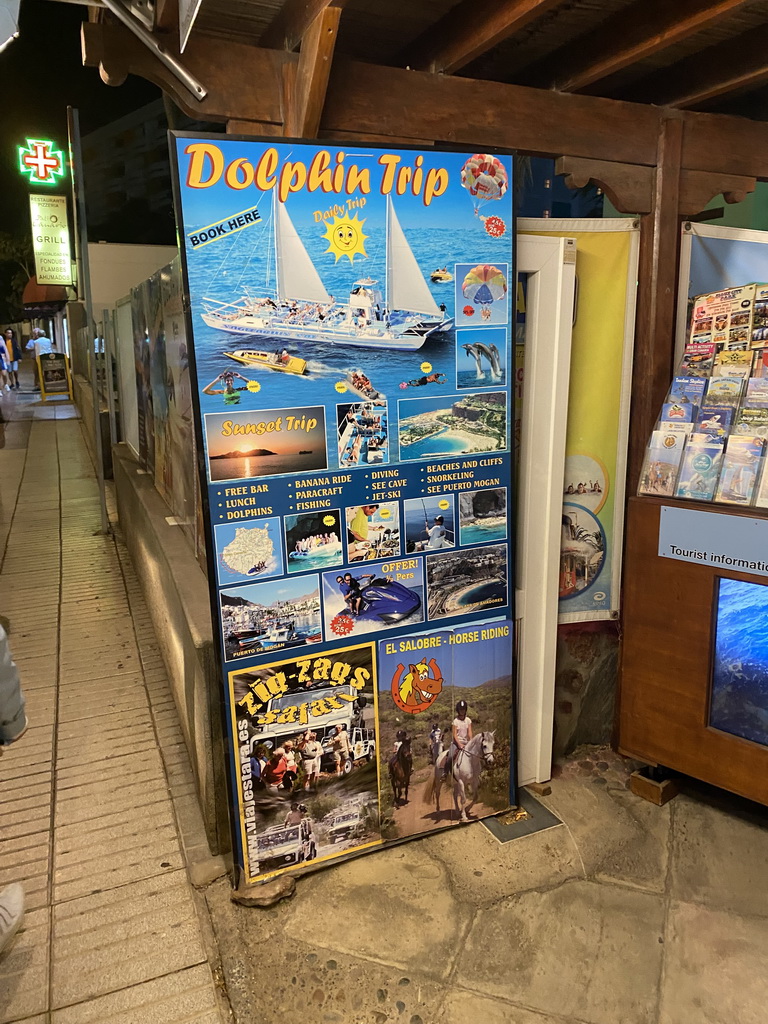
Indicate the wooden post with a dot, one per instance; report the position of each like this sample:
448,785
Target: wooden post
657,296
306,85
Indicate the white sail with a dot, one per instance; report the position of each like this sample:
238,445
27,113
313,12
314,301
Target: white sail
406,287
296,274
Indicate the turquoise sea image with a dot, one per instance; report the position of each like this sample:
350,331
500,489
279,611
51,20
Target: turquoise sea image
453,425
740,671
483,515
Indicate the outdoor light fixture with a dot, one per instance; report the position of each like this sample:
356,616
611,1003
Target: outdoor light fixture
9,22
41,161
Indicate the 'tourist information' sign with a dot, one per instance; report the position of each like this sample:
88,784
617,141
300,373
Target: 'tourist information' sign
350,312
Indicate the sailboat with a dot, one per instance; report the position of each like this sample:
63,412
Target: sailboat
302,309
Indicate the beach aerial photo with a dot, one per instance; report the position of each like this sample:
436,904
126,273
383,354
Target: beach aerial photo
460,582
453,426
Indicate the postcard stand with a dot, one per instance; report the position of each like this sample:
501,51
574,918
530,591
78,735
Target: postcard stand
349,320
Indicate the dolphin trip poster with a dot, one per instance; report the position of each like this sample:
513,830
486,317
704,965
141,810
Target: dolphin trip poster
350,316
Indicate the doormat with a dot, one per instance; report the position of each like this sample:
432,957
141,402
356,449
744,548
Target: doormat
537,818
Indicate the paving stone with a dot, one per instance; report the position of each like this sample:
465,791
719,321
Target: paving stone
483,870
186,997
462,1007
110,724
152,923
720,856
716,968
40,703
117,865
381,899
88,803
122,767
26,860
88,750
111,828
22,817
30,780
619,836
586,950
315,983
126,701
24,970
35,747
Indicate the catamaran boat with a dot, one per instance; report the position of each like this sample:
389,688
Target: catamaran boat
302,309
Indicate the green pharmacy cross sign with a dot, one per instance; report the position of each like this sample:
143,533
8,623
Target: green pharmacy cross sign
41,162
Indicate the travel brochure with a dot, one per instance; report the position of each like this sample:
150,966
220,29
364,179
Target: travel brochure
711,440
349,311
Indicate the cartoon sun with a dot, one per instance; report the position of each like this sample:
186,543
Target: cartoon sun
345,238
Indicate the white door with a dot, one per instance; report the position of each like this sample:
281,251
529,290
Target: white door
550,264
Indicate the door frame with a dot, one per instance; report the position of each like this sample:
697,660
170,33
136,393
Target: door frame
550,263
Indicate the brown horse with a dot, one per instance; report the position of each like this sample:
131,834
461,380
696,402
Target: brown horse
400,768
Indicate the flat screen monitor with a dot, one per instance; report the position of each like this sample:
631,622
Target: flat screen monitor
739,703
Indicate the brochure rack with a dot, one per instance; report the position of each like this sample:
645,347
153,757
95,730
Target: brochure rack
694,676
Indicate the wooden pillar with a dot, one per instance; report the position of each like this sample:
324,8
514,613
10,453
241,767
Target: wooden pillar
657,295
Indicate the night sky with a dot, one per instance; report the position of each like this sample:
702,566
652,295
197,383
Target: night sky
41,74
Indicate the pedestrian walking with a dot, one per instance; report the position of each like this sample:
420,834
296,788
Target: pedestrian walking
14,352
5,362
13,725
40,345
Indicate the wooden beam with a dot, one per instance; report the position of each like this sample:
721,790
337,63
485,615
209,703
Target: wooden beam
243,82
253,128
741,145
698,187
628,186
360,138
656,297
246,84
292,21
735,65
305,90
387,101
644,28
470,29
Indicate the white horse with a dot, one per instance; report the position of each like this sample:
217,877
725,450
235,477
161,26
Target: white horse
467,766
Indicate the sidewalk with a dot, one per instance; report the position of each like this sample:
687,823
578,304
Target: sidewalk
97,800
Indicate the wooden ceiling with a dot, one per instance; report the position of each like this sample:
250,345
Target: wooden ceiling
694,54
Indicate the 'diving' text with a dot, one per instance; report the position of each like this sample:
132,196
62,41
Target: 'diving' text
305,423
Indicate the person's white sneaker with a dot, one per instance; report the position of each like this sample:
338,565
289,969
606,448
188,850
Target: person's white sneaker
7,387
11,912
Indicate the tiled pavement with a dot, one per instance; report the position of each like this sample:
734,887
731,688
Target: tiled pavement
94,797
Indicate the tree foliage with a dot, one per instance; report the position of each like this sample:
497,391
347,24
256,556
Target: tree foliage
17,264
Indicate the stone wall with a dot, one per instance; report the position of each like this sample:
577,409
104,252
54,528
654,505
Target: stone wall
586,681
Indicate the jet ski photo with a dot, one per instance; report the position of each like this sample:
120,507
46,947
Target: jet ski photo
387,601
